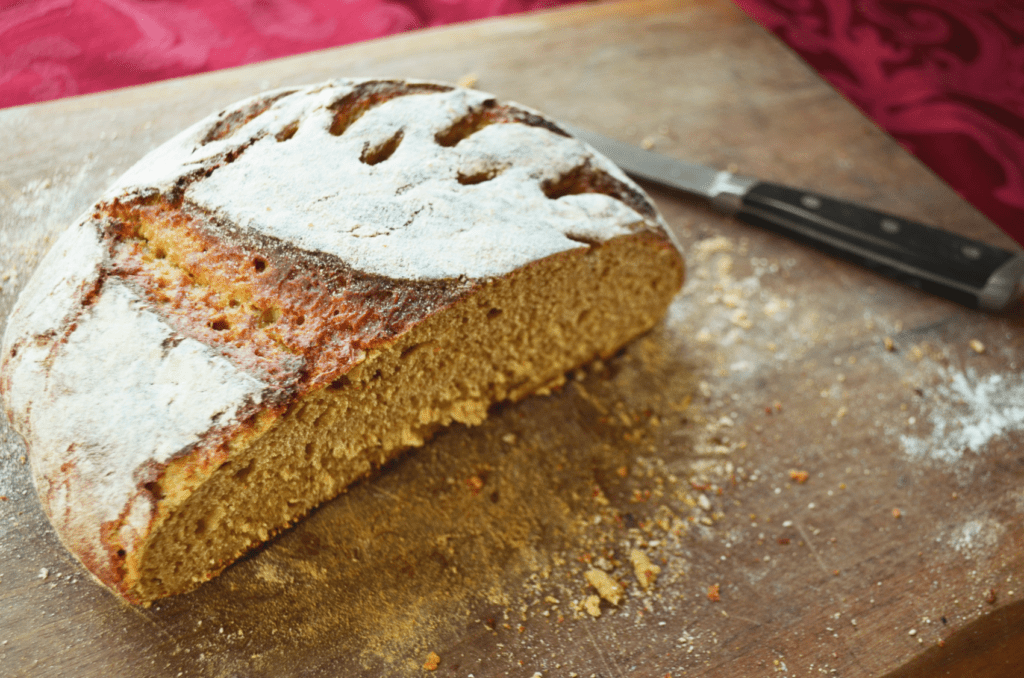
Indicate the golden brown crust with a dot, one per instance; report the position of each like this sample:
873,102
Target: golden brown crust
298,319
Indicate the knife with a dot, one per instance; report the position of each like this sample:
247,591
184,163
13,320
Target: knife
970,272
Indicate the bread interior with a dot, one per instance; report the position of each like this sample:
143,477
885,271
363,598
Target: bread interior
511,337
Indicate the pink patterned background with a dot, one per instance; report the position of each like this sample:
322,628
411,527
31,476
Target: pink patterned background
944,77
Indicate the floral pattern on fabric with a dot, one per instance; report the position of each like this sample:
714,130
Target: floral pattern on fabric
56,48
944,77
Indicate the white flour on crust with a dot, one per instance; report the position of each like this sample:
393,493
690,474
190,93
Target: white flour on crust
408,217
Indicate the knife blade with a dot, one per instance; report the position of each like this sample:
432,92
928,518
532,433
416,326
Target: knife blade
967,271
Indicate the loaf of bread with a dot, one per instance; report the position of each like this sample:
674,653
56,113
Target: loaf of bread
292,291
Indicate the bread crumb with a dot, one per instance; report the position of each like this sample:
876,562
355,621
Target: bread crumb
433,661
739,319
713,593
646,572
607,588
703,250
468,81
799,476
977,346
592,604
889,344
475,483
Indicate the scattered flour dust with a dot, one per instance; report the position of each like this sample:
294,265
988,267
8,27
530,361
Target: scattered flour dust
977,535
36,214
725,305
967,413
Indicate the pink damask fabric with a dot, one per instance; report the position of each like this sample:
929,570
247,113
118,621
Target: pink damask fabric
945,77
55,48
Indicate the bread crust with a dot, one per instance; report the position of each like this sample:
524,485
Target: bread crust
217,282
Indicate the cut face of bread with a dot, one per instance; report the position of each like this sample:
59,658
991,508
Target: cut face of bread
293,291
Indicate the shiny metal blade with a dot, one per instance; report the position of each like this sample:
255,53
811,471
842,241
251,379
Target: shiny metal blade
724,189
643,164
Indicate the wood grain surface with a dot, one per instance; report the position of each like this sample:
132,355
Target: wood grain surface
826,472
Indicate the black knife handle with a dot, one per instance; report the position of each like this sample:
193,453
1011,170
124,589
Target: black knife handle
966,271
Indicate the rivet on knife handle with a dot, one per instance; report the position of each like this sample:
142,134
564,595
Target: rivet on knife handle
967,271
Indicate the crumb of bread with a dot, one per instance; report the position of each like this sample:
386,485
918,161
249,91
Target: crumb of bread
607,588
592,605
646,571
799,476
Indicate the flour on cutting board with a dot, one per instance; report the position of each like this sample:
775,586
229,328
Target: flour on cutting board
720,307
968,411
974,535
43,208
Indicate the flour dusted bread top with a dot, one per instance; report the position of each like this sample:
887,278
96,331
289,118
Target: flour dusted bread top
422,185
259,256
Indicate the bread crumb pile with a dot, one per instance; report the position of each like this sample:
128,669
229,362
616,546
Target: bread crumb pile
502,526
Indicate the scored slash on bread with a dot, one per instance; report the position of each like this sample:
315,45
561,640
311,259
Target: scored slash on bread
289,293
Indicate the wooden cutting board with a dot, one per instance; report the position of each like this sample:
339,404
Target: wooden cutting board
827,474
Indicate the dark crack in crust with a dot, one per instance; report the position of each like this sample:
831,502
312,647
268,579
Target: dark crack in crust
490,112
368,95
587,179
230,121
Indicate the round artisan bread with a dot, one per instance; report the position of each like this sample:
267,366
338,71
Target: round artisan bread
289,293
